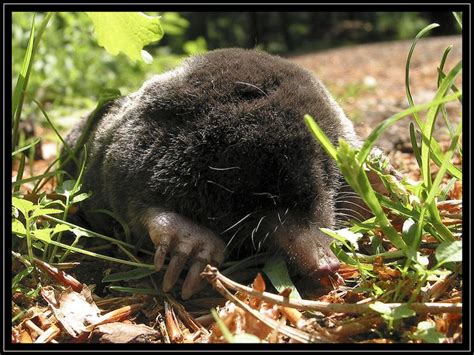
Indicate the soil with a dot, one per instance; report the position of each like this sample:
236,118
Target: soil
368,81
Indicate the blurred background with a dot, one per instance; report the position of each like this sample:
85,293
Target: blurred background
71,70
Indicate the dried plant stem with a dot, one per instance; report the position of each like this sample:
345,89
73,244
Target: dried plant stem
356,326
32,326
213,275
293,333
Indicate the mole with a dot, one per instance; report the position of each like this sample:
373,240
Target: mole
214,156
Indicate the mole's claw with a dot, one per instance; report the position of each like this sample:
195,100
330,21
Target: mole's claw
188,242
160,253
193,280
175,267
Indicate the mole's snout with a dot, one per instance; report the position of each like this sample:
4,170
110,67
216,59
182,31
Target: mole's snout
308,248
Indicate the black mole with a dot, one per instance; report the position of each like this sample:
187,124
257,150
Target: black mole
214,153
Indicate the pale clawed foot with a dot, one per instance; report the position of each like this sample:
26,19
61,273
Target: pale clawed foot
188,244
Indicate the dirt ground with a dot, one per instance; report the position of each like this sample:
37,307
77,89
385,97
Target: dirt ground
369,81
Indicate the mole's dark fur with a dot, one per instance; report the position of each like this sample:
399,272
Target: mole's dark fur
221,140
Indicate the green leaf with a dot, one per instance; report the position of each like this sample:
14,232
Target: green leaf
277,272
378,291
350,236
18,277
58,228
414,144
458,17
134,274
427,130
409,229
126,32
37,177
26,147
18,227
377,132
24,72
80,197
66,188
449,252
403,311
381,308
342,255
427,332
43,234
320,136
24,206
43,211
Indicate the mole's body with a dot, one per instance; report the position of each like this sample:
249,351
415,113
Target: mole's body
214,153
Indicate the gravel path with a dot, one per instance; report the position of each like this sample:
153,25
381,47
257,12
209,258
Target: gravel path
369,81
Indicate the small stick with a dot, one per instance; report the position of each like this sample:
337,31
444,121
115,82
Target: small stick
213,275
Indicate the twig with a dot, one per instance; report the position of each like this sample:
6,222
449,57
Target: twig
356,326
213,275
37,330
189,321
293,333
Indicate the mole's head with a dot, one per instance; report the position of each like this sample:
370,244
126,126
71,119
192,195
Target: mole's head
237,157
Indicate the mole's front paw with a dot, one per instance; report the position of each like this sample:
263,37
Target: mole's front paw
188,243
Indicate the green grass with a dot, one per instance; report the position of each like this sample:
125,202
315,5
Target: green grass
415,203
38,226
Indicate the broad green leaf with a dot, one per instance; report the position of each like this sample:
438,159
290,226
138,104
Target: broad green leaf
81,233
66,188
427,332
58,228
409,229
134,274
24,206
43,211
80,197
449,252
378,291
126,32
422,259
43,234
18,227
342,255
381,308
277,272
350,236
403,311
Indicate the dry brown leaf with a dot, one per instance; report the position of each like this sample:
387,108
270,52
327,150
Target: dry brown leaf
119,332
385,272
72,309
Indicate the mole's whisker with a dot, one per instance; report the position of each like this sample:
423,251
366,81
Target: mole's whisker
235,224
221,186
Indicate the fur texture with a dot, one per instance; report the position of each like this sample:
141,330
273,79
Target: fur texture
218,140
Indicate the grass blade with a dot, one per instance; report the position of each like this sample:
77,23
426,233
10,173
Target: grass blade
430,121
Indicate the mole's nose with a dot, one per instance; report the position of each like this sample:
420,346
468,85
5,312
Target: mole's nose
329,267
